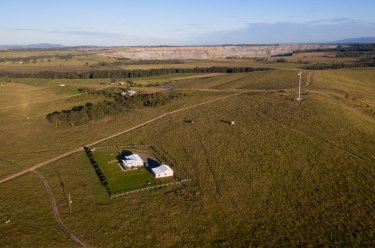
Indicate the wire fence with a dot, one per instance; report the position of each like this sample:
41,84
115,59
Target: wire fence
164,157
150,188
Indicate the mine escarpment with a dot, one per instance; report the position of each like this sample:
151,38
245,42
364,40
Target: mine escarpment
210,52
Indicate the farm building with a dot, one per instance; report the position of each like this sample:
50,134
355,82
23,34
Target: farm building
162,171
132,92
132,161
129,93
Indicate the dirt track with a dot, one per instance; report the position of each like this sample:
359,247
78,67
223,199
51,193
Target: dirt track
56,212
110,137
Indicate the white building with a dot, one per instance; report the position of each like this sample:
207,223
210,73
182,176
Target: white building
132,92
129,93
132,161
162,171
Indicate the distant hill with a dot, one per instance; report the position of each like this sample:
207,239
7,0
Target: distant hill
31,46
362,40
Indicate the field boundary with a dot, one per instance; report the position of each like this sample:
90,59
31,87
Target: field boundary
150,188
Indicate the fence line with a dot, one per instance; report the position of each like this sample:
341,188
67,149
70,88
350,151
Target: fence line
164,155
122,146
150,188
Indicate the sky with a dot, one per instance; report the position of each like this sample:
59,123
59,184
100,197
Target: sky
183,22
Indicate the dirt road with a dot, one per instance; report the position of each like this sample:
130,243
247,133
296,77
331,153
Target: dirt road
56,212
110,137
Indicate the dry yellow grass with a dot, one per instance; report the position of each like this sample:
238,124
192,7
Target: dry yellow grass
286,174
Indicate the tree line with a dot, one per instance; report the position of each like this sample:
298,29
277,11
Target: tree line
84,113
325,66
356,50
127,73
121,62
34,58
98,171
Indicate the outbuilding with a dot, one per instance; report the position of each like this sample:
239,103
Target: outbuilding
132,92
162,171
132,161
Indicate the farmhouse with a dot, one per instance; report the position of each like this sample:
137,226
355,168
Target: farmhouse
132,161
162,171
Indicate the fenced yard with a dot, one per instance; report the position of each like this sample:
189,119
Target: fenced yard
123,182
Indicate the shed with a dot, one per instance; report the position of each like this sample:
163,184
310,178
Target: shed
132,92
162,171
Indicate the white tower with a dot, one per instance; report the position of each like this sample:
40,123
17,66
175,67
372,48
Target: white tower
299,87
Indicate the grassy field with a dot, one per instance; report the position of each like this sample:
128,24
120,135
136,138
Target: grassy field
265,80
31,220
287,174
122,181
33,139
274,177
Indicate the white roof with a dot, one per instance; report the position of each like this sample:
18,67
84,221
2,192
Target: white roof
133,158
132,92
161,169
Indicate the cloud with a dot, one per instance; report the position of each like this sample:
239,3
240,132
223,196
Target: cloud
317,31
66,36
89,33
73,31
290,32
178,30
336,21
28,29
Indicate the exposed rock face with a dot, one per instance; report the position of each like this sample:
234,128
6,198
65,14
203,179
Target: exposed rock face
210,52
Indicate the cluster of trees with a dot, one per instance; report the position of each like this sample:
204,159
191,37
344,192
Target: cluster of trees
128,73
281,61
98,171
29,59
121,62
324,66
84,113
157,99
358,50
366,60
106,93
283,55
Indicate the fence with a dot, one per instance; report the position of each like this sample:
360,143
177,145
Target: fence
164,155
150,188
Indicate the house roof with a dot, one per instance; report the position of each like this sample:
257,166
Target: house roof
161,169
133,158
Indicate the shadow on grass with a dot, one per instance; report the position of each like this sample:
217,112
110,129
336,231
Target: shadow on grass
226,121
63,188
